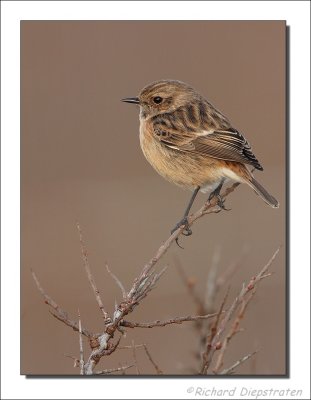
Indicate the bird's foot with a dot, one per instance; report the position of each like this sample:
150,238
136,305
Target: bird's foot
184,222
186,230
220,201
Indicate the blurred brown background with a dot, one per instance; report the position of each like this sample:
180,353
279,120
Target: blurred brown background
81,161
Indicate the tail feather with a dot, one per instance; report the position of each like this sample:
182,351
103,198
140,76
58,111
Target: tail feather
261,191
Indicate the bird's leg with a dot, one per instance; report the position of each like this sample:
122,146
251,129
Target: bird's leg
216,193
184,221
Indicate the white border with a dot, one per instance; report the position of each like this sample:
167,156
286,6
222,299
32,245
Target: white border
296,13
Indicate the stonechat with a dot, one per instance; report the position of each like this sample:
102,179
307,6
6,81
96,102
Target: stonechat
192,144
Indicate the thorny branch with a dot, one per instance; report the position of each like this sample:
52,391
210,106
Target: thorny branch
90,277
59,313
235,328
233,367
110,371
242,298
102,343
205,304
81,346
135,358
176,320
156,367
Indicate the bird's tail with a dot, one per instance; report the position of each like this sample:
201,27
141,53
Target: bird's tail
261,191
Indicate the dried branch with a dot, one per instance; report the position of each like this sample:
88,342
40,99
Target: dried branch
76,361
209,207
118,282
123,372
110,371
230,370
81,346
215,343
90,277
137,346
139,291
156,367
59,313
158,323
101,344
235,328
135,358
208,354
206,304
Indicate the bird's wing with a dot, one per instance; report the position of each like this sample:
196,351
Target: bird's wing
228,144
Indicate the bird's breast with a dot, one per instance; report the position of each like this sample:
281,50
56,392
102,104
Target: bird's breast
184,169
156,154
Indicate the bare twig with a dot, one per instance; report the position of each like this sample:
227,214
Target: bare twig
208,208
59,313
158,323
206,303
142,287
76,361
118,282
214,345
81,346
135,358
235,328
253,364
101,343
90,277
133,347
123,372
137,346
208,354
110,371
156,367
230,370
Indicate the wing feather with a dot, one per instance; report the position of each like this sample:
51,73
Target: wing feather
228,145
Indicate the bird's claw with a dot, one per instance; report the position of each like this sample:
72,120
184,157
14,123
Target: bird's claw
176,240
186,230
220,201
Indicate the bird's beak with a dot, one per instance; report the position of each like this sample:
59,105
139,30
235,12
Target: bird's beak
133,100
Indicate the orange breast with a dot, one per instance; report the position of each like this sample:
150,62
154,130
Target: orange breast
184,169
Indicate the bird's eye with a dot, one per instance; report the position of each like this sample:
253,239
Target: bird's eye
157,99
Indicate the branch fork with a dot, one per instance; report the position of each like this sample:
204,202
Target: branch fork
101,344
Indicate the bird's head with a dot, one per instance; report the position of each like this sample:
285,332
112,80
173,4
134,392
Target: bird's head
163,96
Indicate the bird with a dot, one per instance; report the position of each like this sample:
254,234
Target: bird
192,144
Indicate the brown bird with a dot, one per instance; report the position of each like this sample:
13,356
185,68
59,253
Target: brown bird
192,144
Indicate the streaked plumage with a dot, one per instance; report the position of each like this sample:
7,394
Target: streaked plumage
190,143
